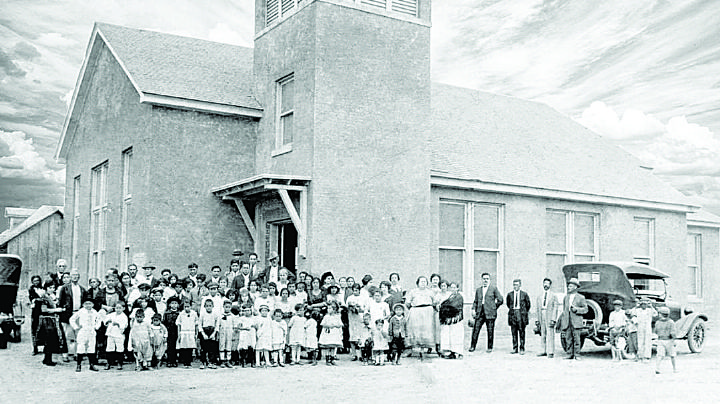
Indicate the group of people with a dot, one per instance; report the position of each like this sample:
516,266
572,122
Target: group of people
252,316
245,316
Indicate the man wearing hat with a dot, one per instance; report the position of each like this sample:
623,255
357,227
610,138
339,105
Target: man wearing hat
149,278
642,316
665,330
574,306
271,272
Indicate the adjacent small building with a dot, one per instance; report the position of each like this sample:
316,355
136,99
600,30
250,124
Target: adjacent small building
37,240
328,143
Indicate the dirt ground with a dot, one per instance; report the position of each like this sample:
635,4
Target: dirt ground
497,377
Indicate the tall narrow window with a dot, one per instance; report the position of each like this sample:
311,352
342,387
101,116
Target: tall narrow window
286,112
74,253
98,218
643,240
569,237
126,202
694,254
470,242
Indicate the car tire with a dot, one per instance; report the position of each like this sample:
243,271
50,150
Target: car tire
696,336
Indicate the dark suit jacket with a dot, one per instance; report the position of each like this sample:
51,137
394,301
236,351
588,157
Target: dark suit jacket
238,282
97,296
65,300
493,300
568,316
524,308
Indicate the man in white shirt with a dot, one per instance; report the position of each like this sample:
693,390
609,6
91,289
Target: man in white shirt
192,272
70,299
135,277
547,305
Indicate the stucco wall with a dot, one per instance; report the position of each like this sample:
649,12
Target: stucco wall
525,239
177,158
709,301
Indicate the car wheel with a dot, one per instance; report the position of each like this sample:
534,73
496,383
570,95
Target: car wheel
696,336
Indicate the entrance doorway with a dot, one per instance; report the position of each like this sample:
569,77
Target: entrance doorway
285,241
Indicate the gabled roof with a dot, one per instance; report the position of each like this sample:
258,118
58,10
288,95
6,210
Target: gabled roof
174,71
486,141
38,216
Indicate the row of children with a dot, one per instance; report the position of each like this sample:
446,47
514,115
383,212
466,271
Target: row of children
631,331
231,337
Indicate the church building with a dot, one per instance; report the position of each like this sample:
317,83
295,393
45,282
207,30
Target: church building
328,143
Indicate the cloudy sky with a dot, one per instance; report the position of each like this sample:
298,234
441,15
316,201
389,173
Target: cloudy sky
643,73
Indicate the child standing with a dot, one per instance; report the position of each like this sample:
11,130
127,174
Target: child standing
331,336
665,330
378,309
643,318
85,322
366,341
264,299
225,332
357,306
380,342
310,341
115,325
157,296
263,332
616,323
158,340
187,328
140,340
209,324
170,322
296,331
279,334
246,337
397,330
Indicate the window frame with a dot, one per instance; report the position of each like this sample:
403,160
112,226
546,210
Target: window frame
280,146
642,259
697,293
99,208
570,254
126,197
469,249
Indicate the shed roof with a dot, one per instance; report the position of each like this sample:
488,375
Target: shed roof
38,216
703,218
495,139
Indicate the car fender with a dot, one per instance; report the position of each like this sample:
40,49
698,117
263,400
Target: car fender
683,324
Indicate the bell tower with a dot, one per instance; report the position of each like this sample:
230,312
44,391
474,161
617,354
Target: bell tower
345,86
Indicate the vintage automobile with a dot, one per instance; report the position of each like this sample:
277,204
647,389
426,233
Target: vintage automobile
11,313
603,282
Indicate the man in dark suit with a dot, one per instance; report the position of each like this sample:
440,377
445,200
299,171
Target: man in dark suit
243,279
484,311
70,299
271,272
571,321
518,307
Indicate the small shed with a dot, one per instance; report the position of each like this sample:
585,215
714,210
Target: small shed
37,241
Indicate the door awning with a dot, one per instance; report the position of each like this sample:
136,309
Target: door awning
255,187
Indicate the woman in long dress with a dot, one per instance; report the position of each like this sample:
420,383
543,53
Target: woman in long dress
435,281
452,333
50,334
421,333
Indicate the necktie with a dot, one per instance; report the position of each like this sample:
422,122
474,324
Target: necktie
517,302
545,300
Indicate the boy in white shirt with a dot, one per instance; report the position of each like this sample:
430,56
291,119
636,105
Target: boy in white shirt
616,323
116,323
85,322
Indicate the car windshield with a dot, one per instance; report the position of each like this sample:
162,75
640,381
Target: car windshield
654,287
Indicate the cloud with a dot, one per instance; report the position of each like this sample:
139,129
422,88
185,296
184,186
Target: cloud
24,50
633,124
8,67
23,160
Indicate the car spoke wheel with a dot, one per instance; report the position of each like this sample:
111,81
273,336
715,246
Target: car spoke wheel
696,336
